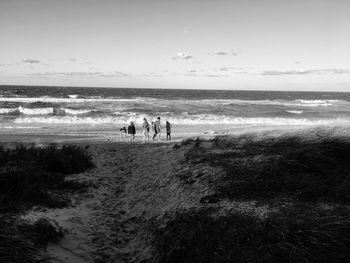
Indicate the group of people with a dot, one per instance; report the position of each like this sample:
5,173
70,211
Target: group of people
154,128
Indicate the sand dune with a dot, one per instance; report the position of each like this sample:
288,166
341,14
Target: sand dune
139,190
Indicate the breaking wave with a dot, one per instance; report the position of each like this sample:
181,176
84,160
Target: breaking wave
91,99
295,111
179,120
42,111
71,99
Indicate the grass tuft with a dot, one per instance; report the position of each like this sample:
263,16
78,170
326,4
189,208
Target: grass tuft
200,236
32,176
308,170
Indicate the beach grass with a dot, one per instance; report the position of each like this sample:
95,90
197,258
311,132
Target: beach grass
302,181
254,198
300,168
34,176
205,236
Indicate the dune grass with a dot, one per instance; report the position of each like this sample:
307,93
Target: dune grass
203,236
33,176
295,175
307,170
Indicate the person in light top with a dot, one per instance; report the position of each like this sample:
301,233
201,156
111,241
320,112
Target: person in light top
145,130
157,129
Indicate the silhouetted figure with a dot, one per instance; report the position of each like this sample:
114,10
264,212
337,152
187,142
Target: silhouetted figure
132,131
168,131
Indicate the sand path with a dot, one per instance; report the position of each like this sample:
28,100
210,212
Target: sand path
132,183
90,222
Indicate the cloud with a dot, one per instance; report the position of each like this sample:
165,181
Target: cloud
6,65
305,72
182,55
229,69
214,75
31,61
114,74
223,53
150,74
82,74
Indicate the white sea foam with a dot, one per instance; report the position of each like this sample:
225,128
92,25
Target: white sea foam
35,111
193,120
7,110
67,100
295,111
42,111
291,103
159,102
76,111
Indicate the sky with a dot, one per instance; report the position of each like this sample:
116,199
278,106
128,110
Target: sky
199,44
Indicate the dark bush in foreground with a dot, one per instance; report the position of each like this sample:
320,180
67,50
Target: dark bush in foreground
42,231
32,176
199,236
21,243
290,165
66,160
14,246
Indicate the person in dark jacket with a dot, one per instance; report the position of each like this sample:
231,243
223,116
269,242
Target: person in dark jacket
132,131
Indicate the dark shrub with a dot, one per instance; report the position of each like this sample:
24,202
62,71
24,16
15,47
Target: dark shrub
198,236
267,168
31,176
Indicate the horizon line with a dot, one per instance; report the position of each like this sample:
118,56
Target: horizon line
192,89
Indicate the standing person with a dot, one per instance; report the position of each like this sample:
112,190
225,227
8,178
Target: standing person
153,130
132,131
157,128
145,130
168,130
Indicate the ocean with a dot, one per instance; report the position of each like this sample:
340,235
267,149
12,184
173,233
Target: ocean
103,111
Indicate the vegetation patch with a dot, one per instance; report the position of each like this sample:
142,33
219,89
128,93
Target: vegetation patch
203,236
304,179
307,170
33,176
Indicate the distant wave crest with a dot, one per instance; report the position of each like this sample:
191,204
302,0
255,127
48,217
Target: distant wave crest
295,111
91,99
41,111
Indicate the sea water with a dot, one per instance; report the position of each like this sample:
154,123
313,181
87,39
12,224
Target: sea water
103,111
